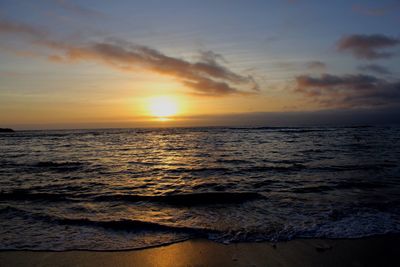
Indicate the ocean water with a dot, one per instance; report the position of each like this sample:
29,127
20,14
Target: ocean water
118,189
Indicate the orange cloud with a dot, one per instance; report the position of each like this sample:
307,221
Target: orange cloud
206,76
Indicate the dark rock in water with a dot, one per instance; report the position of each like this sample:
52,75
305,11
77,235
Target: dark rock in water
6,130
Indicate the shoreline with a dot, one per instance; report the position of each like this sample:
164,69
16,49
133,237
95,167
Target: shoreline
368,251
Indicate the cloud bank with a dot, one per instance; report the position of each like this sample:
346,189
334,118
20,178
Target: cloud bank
367,46
20,28
78,9
377,11
205,77
316,65
374,68
349,90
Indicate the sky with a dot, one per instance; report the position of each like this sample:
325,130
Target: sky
102,63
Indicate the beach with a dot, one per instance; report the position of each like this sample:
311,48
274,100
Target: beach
369,251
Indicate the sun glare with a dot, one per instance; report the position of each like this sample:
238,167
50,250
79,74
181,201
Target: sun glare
163,107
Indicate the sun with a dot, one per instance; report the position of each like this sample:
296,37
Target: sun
163,107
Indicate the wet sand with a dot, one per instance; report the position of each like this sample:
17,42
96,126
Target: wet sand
372,251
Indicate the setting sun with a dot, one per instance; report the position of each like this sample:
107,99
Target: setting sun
163,106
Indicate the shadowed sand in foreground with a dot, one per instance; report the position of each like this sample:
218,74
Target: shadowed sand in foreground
373,251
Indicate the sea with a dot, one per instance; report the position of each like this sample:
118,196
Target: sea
120,189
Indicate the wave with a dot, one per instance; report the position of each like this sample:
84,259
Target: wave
365,167
265,168
192,199
263,183
7,209
232,161
132,225
22,194
363,222
116,225
144,163
355,225
213,186
59,166
175,148
244,169
122,224
340,185
286,129
357,127
198,170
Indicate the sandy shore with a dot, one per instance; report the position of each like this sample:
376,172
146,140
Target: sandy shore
373,251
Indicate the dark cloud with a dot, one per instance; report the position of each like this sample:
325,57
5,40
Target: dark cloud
367,46
19,28
376,11
211,57
328,81
374,68
78,9
210,87
316,65
205,77
349,90
369,11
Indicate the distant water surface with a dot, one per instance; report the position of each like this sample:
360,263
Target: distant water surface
130,188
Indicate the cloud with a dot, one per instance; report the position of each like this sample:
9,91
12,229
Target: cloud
211,57
374,68
367,46
78,9
376,11
206,76
369,11
330,81
349,90
19,28
316,65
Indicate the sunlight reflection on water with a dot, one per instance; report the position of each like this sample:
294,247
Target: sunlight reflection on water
126,188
